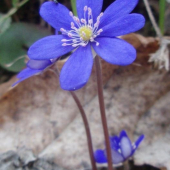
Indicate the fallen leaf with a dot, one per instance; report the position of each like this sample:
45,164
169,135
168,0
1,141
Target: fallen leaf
40,116
155,125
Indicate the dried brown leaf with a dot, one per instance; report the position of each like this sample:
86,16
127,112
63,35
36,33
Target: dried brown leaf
40,116
155,125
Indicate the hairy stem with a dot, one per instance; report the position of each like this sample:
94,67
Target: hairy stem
102,111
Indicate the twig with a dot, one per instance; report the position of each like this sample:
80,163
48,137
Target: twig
8,3
157,29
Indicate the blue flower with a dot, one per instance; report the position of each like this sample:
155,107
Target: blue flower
34,67
90,30
122,149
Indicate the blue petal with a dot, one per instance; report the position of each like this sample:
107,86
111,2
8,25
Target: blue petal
48,48
57,15
115,51
76,71
138,141
117,9
114,141
100,156
26,73
123,134
126,147
125,144
124,25
116,157
95,5
38,64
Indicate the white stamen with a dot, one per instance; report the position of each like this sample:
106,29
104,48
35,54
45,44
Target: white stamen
69,34
85,8
90,21
89,9
90,27
71,14
74,41
100,30
62,30
75,45
83,21
72,24
91,39
64,40
76,19
101,14
82,30
64,44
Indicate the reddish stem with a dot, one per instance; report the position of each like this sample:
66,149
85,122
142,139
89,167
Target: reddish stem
86,125
102,111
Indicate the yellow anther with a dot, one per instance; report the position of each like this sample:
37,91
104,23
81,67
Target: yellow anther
85,33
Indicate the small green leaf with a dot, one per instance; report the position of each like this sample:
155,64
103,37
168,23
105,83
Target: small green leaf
14,44
4,23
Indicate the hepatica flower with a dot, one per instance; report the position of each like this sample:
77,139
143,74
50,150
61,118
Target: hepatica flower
91,29
122,149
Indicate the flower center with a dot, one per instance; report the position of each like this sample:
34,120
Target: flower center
85,33
83,30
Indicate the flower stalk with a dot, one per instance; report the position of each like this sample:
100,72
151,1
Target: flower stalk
102,111
87,128
153,21
86,124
